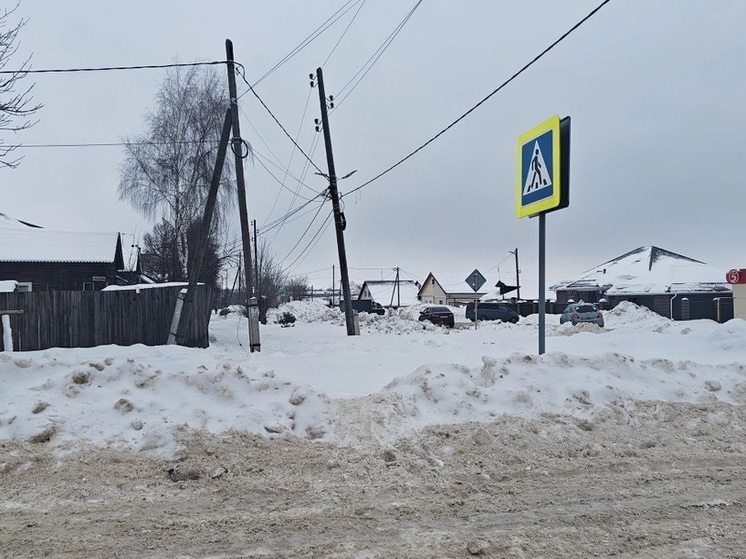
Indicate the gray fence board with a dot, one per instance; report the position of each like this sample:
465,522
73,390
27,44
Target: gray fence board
90,318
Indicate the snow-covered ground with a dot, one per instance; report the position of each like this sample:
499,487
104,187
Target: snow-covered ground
311,381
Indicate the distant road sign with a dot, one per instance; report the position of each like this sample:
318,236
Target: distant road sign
539,185
475,280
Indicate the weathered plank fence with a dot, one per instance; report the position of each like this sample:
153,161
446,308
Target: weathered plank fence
91,318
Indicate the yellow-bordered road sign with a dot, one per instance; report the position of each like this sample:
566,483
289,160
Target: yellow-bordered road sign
538,185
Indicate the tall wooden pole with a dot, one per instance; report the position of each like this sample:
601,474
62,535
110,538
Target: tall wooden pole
339,220
237,144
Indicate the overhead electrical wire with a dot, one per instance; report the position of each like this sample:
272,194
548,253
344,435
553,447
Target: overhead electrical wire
374,58
480,103
271,225
243,77
105,144
334,48
301,236
271,174
284,170
295,216
304,174
312,243
114,68
316,271
331,20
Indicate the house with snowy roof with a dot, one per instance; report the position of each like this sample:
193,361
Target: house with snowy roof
652,277
391,293
447,288
43,259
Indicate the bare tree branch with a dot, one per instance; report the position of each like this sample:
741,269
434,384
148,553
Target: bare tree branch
16,106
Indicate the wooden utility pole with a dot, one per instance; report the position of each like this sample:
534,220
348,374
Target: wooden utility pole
180,322
397,290
339,219
517,275
256,257
237,144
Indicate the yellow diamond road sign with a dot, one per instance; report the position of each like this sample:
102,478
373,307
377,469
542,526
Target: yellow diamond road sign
539,160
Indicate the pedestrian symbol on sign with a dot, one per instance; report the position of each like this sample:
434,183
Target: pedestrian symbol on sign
539,176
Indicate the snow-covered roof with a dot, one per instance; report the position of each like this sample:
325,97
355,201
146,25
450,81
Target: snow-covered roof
7,221
388,293
34,244
8,286
649,270
139,286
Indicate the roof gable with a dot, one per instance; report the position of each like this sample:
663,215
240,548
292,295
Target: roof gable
648,270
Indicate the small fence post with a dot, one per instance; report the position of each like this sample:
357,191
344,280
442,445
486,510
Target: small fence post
7,332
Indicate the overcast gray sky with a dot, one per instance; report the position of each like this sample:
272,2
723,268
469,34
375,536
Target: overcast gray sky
655,89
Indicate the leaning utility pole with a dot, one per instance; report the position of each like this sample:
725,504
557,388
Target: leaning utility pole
237,145
185,300
339,219
517,274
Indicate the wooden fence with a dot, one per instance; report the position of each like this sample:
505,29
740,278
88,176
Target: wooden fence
91,318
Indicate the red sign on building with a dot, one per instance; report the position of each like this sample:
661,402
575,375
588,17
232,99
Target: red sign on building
736,276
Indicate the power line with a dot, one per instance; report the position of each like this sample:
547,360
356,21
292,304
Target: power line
302,235
243,77
308,40
107,144
114,68
311,244
334,48
267,227
467,113
282,184
375,56
315,271
285,170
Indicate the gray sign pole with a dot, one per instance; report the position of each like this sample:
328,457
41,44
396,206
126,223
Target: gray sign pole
476,304
542,281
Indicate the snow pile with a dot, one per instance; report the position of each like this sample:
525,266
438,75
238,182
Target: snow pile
314,381
307,311
629,315
118,401
602,388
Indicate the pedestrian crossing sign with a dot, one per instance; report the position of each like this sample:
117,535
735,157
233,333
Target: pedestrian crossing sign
541,174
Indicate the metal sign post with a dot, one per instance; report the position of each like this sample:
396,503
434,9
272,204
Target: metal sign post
475,280
543,186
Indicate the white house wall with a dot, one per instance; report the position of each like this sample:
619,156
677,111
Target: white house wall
739,300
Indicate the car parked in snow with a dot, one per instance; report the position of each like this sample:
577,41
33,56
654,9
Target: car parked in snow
492,311
440,316
582,312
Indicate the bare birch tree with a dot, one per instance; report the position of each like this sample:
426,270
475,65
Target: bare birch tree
16,107
167,170
297,288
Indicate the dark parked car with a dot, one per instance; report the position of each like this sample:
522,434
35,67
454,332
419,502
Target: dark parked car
364,305
492,311
440,316
582,312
